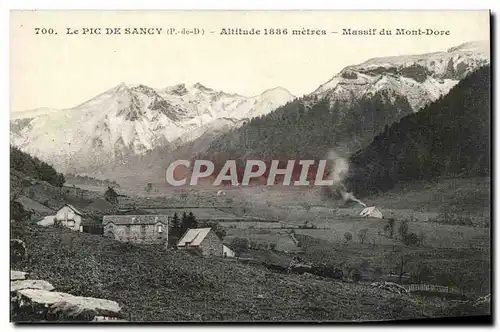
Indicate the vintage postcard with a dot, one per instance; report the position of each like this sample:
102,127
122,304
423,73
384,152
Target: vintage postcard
250,166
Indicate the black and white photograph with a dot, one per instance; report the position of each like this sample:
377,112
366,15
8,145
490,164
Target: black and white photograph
250,166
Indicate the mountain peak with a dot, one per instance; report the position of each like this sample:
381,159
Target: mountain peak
482,46
122,85
428,76
276,89
118,89
201,87
178,89
277,92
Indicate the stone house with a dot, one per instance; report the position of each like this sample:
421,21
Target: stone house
68,216
203,241
137,228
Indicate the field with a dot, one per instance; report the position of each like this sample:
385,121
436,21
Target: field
451,216
278,239
152,284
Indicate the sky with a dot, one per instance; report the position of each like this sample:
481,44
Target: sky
62,71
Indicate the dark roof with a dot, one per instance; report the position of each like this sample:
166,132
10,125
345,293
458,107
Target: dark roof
150,219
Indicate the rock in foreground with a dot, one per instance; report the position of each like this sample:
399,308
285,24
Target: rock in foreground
30,284
39,304
17,275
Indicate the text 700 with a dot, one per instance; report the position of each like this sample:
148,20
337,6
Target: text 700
44,31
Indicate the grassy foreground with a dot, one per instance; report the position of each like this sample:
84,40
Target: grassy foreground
152,284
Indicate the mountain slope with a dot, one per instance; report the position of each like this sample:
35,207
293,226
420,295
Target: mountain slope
129,125
298,131
35,168
449,137
131,120
345,113
420,78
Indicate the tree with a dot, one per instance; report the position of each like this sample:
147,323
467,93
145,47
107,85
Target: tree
17,211
347,236
188,222
401,262
184,224
422,272
175,226
389,227
403,229
192,222
362,235
218,229
34,167
111,196
421,238
240,245
411,239
424,146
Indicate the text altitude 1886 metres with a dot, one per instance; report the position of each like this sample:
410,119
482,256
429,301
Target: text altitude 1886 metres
271,31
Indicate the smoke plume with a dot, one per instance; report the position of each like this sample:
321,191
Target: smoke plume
340,169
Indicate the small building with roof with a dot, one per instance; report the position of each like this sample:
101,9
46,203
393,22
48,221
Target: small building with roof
68,216
137,228
227,251
372,212
202,241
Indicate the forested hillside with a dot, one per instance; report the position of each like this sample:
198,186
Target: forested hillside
34,167
308,128
89,180
449,137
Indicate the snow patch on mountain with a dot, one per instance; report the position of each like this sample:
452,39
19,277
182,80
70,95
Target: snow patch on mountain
420,78
134,119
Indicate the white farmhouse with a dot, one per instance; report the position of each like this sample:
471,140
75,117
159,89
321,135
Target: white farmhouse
69,216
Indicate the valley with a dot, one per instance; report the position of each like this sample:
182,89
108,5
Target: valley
451,255
401,231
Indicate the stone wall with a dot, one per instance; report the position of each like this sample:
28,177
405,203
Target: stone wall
211,245
248,224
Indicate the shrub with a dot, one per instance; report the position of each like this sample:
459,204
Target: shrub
453,219
306,206
111,196
240,245
362,235
403,229
421,238
347,236
356,275
378,273
411,239
389,227
17,212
